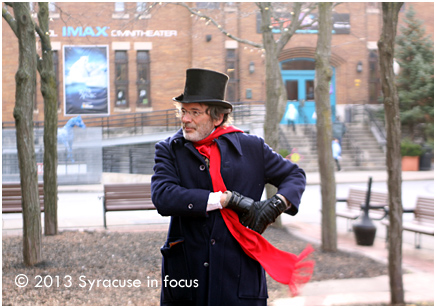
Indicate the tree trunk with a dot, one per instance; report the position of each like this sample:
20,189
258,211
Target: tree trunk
386,46
324,127
48,90
275,89
23,114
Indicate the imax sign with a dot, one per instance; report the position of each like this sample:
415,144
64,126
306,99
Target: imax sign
87,31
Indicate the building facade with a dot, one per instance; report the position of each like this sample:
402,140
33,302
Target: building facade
130,57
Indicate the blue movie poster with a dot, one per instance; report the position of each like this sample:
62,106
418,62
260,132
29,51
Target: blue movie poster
86,80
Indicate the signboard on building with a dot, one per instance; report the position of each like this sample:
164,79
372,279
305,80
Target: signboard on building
86,80
341,23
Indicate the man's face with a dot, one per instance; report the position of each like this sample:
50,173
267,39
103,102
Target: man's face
196,124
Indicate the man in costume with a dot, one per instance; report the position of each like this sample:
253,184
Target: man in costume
209,177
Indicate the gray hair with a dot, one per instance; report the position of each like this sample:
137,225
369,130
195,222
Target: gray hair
214,111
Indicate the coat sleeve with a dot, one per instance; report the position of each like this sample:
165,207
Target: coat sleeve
167,193
289,179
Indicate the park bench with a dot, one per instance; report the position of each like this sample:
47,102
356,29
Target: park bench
356,200
126,197
11,197
423,222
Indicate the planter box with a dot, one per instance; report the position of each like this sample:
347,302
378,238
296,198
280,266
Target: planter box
410,163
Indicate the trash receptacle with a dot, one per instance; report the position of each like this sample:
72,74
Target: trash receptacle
365,230
425,159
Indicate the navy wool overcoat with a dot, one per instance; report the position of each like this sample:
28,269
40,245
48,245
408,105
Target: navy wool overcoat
202,263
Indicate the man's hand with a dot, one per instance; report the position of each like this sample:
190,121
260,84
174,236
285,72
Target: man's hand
267,211
256,215
242,205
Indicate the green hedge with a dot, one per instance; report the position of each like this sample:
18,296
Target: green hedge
408,148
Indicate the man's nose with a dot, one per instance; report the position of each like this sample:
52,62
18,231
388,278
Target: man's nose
186,118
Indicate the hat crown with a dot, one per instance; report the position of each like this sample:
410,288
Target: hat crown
204,86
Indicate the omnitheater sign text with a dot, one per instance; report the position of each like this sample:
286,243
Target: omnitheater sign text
106,32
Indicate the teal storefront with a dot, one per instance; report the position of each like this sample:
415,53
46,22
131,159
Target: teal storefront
299,78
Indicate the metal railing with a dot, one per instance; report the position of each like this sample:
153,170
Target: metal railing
140,123
136,123
377,127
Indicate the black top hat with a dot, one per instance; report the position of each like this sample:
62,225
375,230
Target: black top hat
204,86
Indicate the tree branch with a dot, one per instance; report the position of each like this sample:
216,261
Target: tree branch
217,25
10,19
42,29
295,25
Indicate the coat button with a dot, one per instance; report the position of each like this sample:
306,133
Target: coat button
206,264
190,206
212,241
202,167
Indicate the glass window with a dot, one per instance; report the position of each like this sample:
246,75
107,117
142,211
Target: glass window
121,79
143,79
232,93
299,65
310,94
208,5
119,6
52,6
292,90
141,6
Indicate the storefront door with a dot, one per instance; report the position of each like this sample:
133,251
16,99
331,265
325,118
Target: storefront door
299,79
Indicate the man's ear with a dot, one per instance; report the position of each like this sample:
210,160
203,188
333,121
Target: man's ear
219,121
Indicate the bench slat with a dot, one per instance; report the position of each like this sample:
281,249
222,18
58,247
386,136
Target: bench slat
423,222
11,197
357,197
127,197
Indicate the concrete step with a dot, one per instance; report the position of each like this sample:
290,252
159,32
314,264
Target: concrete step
371,156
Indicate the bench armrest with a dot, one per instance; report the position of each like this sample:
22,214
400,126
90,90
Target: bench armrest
341,200
408,210
374,206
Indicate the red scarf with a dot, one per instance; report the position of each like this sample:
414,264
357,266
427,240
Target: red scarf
282,266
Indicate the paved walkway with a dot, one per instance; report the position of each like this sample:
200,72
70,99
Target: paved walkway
419,263
418,281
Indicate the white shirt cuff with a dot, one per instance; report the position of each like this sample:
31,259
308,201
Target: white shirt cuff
213,203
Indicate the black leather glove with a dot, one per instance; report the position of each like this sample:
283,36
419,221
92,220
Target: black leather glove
256,215
244,207
266,212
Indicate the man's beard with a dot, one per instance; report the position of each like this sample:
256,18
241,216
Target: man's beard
198,132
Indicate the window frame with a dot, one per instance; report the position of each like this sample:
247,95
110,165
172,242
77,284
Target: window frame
143,84
232,63
122,84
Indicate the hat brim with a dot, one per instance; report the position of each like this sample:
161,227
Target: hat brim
222,103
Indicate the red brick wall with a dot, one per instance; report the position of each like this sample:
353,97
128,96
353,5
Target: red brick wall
171,56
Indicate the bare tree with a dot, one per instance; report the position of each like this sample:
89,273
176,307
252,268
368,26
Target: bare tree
48,90
24,28
272,46
324,127
386,46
